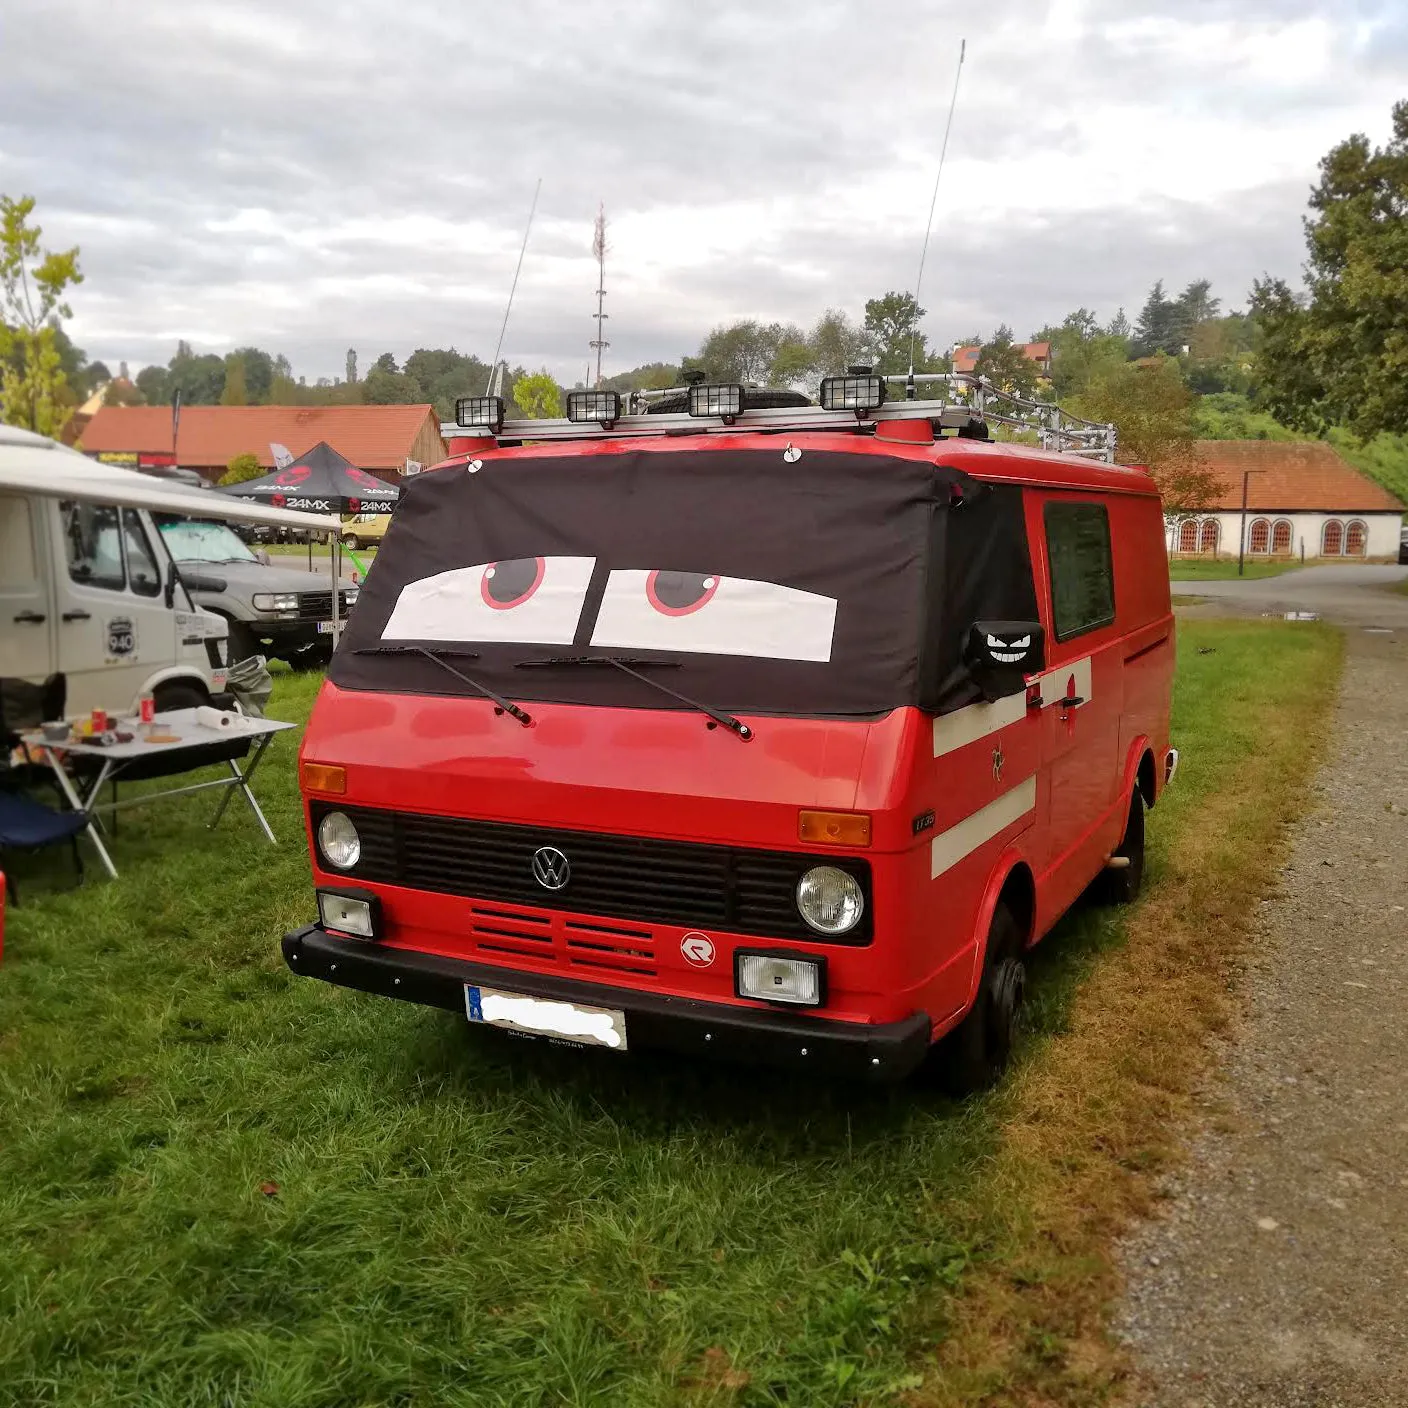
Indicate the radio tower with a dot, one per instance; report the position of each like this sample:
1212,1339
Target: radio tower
599,249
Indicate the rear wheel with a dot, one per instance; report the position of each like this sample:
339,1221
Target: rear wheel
351,540
975,1053
1121,885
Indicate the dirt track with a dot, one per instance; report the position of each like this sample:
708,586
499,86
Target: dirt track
1279,1274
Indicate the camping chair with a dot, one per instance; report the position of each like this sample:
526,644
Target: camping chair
25,824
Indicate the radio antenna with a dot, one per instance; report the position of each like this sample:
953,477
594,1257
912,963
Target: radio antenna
494,366
924,250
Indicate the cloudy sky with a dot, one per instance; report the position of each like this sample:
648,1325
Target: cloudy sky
307,175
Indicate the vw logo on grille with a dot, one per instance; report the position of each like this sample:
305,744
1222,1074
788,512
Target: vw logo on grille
550,868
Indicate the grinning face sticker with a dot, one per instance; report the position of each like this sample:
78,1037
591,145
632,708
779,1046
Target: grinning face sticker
1008,652
536,600
706,613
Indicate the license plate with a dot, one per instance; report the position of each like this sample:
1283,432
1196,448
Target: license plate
325,627
541,1016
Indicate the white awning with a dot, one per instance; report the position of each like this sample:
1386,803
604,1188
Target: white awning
33,464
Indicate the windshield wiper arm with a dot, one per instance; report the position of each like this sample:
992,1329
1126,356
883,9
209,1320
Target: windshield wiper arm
624,663
438,656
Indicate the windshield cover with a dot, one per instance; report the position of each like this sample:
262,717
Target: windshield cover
204,542
775,587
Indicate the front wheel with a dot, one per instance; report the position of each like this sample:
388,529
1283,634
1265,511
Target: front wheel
975,1053
167,698
351,540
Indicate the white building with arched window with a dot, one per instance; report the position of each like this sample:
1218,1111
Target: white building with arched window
1303,500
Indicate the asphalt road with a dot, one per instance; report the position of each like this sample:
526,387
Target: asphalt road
1350,596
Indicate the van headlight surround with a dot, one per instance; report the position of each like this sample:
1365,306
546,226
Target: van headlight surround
830,900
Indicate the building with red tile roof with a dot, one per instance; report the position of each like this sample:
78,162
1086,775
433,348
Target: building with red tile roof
379,439
965,359
1303,500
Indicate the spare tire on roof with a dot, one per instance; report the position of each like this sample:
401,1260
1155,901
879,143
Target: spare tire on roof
755,398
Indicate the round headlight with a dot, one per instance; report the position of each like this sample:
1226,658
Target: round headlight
830,900
338,840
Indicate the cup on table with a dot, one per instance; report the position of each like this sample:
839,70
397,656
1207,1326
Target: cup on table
148,707
100,721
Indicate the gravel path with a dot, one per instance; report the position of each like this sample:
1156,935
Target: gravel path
1277,1275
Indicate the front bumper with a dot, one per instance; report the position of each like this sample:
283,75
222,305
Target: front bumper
653,1020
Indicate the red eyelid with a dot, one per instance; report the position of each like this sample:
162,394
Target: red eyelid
520,598
664,610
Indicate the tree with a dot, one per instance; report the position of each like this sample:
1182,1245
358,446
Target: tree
1341,355
892,322
1159,328
386,385
242,468
152,383
1079,348
1152,411
836,343
121,392
538,396
1196,305
743,351
1119,325
201,379
33,385
234,393
258,373
1006,365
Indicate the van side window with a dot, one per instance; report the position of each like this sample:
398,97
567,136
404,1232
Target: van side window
17,567
1082,574
93,543
143,575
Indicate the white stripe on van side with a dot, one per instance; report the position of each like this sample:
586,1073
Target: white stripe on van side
975,721
946,850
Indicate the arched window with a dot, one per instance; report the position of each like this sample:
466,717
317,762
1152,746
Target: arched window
1259,537
1281,535
1188,535
1332,538
1356,536
1209,535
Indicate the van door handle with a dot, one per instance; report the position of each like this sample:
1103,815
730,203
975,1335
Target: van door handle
31,618
79,615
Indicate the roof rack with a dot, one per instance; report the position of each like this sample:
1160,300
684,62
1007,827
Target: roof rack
966,404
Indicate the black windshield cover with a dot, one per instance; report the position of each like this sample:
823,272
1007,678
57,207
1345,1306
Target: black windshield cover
803,588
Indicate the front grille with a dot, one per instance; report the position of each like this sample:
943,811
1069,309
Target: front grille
317,606
614,877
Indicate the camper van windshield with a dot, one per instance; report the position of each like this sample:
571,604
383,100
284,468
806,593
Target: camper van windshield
766,584
204,542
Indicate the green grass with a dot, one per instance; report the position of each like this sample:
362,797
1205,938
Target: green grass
1218,569
220,1184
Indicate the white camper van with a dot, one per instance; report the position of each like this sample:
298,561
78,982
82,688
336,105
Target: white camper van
88,588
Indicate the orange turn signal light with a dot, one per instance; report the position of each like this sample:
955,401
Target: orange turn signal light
322,777
834,828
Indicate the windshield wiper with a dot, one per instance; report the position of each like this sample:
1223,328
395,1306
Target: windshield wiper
624,663
438,656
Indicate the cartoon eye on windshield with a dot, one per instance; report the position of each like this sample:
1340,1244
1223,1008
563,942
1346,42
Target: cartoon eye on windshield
704,613
535,600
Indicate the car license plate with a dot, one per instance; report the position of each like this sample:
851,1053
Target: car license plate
325,627
541,1016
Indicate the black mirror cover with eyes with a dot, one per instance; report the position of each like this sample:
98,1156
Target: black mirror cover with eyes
1001,654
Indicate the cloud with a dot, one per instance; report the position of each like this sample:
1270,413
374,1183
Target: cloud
312,177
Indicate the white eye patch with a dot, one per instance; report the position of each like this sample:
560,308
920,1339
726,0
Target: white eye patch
707,614
531,599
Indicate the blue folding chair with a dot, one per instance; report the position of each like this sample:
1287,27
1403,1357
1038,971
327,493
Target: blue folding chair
27,825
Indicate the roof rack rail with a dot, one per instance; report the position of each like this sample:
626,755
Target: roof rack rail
964,400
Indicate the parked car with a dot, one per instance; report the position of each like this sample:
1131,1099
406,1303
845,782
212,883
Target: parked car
360,530
777,734
1403,545
283,612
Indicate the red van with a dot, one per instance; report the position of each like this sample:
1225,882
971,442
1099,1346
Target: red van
777,733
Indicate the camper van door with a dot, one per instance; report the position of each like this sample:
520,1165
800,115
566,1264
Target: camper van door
115,628
26,614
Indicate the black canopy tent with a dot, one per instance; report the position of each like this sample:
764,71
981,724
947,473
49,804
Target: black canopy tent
321,481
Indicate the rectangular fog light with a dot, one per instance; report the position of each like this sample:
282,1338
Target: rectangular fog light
774,977
346,915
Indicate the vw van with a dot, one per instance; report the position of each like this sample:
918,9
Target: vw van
772,733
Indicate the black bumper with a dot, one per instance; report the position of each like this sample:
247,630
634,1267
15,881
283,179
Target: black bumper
289,635
653,1020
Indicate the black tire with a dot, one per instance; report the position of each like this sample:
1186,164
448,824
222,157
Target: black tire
177,694
976,1052
316,657
242,642
1122,886
351,540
